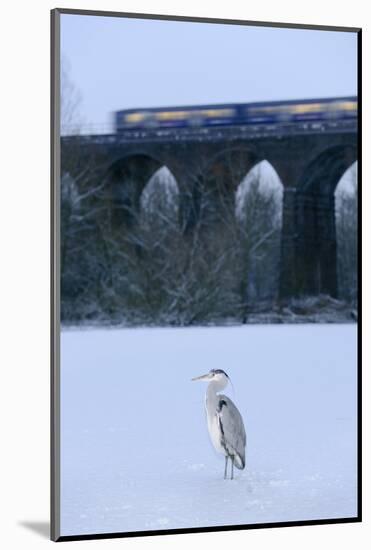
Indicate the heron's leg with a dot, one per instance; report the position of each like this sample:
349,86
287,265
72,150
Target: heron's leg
225,468
232,458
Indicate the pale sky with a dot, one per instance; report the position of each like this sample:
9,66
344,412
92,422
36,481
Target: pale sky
119,63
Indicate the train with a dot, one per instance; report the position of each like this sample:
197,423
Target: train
340,108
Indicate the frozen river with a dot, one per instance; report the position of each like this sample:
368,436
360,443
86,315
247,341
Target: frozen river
135,448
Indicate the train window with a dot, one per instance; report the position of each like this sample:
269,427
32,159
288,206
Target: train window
344,105
171,115
133,118
304,108
301,108
218,113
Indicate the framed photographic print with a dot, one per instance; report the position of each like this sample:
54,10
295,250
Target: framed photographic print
205,274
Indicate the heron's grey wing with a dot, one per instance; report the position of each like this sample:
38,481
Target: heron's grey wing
233,435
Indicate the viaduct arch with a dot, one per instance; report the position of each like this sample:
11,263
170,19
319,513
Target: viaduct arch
308,160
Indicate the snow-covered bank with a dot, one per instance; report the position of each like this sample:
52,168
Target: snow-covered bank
135,448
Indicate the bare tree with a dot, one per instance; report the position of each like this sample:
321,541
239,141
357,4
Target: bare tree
78,244
150,270
71,98
80,210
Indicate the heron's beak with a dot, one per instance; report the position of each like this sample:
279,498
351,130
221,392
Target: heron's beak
202,377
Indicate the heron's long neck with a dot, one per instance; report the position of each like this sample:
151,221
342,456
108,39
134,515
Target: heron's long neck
211,397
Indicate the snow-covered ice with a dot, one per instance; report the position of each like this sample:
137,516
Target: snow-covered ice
135,452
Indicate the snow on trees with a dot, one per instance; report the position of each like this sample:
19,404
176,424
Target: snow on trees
157,270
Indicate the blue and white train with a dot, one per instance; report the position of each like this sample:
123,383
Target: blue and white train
344,108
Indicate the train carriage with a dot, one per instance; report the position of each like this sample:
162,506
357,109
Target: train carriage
237,114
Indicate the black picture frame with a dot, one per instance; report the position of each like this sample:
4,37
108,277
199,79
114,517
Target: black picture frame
55,276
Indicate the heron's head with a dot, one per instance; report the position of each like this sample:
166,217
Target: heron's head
215,375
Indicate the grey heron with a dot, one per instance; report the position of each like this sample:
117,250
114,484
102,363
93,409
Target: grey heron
224,421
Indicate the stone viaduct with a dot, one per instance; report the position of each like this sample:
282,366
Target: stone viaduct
309,158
